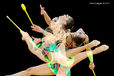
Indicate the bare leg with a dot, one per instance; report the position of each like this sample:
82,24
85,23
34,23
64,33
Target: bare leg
73,52
42,69
22,73
45,70
81,56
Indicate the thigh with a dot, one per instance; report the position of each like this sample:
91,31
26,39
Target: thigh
42,69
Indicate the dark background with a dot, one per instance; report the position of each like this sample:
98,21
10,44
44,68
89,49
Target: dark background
94,19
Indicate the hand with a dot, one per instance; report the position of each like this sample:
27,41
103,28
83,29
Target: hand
25,35
91,65
36,40
37,28
42,10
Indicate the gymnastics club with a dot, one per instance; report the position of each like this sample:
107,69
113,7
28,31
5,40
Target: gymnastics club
24,9
93,72
90,56
13,22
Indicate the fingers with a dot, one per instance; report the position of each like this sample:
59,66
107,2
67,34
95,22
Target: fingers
37,28
25,35
33,37
39,39
36,40
42,12
33,26
42,8
22,33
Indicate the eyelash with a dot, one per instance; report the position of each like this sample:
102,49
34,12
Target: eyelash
81,33
54,20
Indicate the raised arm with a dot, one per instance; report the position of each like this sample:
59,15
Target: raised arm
46,17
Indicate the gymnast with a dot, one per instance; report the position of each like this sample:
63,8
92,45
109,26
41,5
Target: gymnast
67,23
54,25
48,20
44,69
31,70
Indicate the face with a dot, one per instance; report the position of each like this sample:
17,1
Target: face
54,23
63,18
80,33
80,37
57,22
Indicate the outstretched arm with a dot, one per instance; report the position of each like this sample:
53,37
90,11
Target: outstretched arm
40,30
46,17
32,46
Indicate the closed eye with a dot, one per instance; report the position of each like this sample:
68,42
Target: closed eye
55,19
80,33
